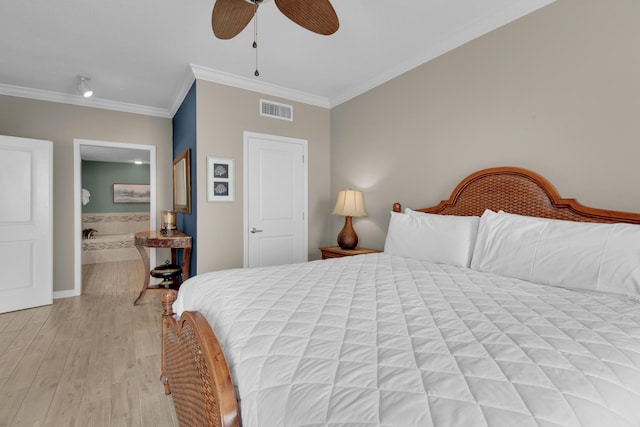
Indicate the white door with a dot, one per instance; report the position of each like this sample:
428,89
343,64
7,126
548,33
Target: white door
26,212
275,200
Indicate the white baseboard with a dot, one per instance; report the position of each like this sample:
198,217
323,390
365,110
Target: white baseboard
65,294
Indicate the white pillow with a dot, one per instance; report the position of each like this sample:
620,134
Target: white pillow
442,239
588,256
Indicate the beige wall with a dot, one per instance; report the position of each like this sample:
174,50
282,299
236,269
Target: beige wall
61,123
557,91
223,114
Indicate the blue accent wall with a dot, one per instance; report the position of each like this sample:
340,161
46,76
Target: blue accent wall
184,136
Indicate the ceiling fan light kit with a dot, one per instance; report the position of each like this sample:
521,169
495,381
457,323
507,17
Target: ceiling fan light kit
230,17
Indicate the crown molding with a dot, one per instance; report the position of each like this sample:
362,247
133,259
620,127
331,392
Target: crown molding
64,98
193,72
233,80
183,89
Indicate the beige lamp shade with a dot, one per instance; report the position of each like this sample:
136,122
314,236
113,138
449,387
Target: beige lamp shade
350,203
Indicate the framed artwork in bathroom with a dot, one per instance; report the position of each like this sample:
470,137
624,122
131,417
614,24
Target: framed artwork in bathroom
131,193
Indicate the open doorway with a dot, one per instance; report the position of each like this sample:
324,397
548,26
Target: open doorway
105,151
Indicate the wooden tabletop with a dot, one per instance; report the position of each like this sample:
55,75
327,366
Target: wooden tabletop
157,239
347,252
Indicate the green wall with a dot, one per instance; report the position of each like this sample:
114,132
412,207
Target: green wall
99,177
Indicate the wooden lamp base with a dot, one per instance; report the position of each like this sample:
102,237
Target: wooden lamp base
347,239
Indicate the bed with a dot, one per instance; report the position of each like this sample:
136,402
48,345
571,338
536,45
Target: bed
504,305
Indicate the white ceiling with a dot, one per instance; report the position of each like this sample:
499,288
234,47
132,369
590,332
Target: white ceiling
142,55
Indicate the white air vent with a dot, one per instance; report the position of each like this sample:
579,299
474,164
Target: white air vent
276,110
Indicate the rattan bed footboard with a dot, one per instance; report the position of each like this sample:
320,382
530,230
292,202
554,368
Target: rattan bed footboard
195,371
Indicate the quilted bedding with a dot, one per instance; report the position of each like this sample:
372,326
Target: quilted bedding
381,340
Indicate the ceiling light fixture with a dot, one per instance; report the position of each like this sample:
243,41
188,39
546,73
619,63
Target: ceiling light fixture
83,87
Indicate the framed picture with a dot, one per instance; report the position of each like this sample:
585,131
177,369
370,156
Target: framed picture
220,179
131,193
182,182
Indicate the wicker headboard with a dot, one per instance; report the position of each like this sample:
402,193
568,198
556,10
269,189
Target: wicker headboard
518,191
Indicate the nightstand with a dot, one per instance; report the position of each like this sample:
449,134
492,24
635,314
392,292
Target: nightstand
337,252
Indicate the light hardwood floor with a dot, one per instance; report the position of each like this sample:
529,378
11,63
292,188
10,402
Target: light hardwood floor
92,360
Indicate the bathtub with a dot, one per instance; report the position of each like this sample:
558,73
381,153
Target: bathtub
113,239
109,248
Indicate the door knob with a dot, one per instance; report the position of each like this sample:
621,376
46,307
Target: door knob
255,230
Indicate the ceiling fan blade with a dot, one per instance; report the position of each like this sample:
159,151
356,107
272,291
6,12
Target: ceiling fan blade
314,15
229,17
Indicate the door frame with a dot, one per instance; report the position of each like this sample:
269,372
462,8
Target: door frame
77,204
245,186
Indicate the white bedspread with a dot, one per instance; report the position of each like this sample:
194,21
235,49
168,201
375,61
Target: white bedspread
379,340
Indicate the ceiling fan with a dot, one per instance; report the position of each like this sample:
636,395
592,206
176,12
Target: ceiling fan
230,17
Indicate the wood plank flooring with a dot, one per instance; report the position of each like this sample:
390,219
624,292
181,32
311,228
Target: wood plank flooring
92,360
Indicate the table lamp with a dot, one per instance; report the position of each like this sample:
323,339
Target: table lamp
349,204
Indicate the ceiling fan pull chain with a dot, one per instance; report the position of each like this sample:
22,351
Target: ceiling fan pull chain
255,35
